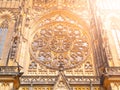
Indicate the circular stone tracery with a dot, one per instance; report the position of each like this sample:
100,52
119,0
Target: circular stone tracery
60,43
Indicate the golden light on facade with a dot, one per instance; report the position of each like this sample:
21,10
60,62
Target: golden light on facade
108,4
61,44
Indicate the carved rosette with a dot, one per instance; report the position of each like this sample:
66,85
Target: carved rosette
60,43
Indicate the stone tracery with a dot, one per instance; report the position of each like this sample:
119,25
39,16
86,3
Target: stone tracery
60,43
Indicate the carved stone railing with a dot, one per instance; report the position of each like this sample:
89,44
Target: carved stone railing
38,79
9,70
53,79
110,75
10,3
10,74
112,70
84,79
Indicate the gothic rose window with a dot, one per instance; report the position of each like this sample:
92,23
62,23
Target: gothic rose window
60,44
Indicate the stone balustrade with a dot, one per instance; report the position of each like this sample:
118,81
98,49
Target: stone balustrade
10,3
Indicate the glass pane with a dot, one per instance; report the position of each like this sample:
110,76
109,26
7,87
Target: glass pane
116,35
3,34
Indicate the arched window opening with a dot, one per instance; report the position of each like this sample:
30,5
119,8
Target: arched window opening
116,34
3,34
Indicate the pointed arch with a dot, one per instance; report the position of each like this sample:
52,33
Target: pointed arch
68,15
7,22
3,34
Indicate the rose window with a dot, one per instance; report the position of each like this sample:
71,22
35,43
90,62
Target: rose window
60,43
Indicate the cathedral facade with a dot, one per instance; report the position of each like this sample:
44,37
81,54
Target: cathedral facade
59,45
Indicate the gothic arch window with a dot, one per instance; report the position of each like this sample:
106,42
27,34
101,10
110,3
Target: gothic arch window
116,35
3,34
60,39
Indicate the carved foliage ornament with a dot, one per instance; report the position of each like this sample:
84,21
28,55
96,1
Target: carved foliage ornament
60,43
47,4
43,3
